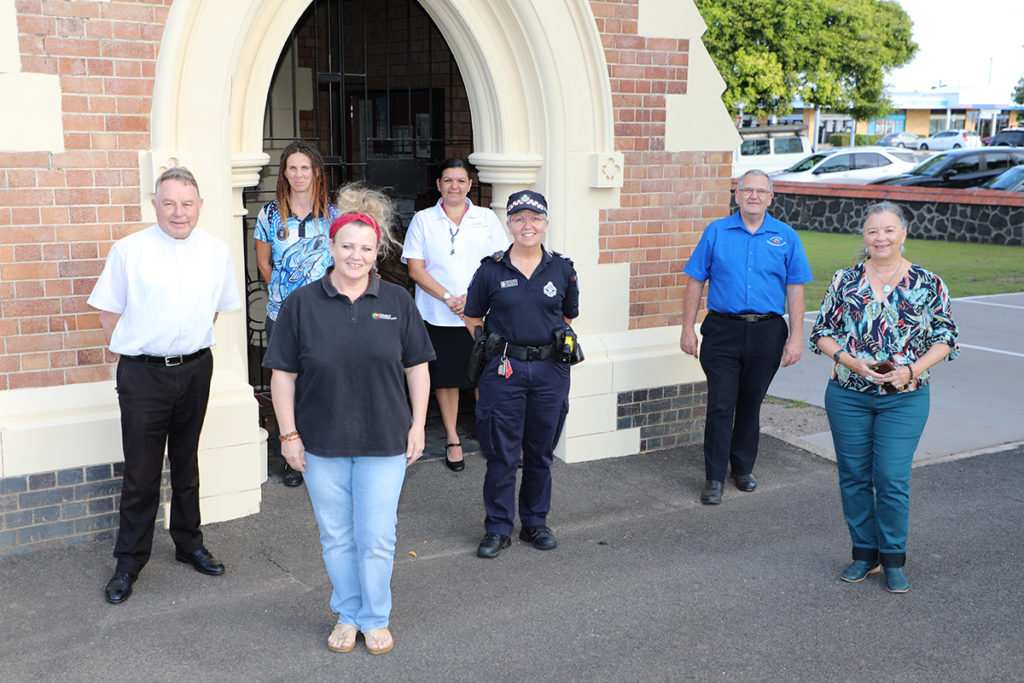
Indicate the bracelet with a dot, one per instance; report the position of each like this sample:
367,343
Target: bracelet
839,352
910,367
290,436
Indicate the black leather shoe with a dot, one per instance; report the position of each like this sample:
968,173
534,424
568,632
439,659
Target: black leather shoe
540,536
119,588
454,466
291,477
745,482
202,561
492,545
712,493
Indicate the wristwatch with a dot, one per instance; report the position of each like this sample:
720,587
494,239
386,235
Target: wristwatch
835,356
446,296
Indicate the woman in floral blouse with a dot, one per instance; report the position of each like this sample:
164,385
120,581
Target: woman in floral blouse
884,322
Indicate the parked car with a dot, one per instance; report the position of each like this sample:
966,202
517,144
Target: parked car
901,139
1011,180
959,168
769,148
852,165
1008,137
954,138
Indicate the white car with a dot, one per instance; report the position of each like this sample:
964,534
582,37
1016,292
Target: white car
849,165
954,138
768,153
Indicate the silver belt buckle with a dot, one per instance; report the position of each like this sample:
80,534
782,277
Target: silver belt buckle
172,361
751,317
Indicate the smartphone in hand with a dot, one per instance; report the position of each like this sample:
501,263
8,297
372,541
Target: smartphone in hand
882,367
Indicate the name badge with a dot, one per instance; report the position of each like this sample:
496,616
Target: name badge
509,283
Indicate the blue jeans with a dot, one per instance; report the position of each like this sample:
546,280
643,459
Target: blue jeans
875,437
355,501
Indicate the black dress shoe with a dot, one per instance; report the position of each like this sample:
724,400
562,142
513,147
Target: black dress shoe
202,561
119,588
712,493
540,536
492,545
291,477
454,466
745,482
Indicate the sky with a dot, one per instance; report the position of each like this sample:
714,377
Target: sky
958,41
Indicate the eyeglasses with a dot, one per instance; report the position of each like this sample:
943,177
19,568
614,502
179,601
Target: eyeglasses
759,191
536,220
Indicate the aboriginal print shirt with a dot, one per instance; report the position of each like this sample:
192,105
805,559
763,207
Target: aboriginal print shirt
300,248
901,328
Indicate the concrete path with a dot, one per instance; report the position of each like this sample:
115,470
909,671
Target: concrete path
977,400
646,585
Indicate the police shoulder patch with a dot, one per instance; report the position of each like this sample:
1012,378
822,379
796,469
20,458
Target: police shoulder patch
561,255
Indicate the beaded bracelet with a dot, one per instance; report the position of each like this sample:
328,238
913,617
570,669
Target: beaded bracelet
290,436
911,368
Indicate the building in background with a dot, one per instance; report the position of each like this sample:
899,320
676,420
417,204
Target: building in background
611,108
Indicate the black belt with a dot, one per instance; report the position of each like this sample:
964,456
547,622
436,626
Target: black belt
528,352
168,361
746,317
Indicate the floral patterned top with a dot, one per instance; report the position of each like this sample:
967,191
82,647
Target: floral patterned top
912,318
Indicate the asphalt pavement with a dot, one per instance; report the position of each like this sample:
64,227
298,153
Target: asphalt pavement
646,585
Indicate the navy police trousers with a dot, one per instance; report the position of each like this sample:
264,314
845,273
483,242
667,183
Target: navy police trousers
523,413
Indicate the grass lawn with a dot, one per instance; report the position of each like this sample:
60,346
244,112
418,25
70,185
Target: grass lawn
967,269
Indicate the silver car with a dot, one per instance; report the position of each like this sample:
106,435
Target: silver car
954,138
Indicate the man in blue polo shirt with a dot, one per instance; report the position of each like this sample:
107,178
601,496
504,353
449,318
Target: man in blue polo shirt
756,266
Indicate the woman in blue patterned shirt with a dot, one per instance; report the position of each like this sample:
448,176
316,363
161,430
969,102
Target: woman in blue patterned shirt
292,245
884,322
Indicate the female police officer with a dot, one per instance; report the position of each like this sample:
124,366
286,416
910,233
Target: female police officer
529,296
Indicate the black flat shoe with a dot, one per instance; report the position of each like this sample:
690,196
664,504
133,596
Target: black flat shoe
745,482
457,466
202,561
540,536
119,588
492,545
291,477
712,493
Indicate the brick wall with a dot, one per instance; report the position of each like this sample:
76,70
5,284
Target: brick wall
668,197
66,507
60,212
667,416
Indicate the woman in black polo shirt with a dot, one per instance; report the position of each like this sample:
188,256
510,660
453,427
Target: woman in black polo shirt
343,349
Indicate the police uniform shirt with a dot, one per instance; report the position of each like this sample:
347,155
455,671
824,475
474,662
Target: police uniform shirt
524,311
748,272
167,291
350,358
432,237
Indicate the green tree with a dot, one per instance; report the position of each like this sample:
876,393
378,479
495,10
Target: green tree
833,54
1018,92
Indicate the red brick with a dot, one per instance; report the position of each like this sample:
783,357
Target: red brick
30,307
37,25
35,361
25,380
39,65
128,50
80,159
83,122
53,215
77,47
58,288
127,12
56,251
76,141
127,123
126,68
31,45
83,286
83,214
92,373
27,289
24,253
24,160
129,86
100,67
133,105
103,104
24,216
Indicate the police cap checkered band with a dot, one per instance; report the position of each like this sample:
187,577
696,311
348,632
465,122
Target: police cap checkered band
527,199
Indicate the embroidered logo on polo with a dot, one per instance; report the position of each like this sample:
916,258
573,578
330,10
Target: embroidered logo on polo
549,289
777,241
383,316
509,283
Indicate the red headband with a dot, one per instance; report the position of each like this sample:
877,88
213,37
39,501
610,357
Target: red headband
342,221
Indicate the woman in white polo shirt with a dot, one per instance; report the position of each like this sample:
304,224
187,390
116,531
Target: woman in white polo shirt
443,248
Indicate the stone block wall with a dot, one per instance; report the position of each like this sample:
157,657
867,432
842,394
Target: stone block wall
65,507
667,416
983,216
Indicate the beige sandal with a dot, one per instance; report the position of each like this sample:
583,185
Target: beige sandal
379,641
342,638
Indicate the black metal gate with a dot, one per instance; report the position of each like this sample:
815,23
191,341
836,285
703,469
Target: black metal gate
373,84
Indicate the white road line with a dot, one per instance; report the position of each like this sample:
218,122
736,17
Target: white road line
987,296
987,303
985,348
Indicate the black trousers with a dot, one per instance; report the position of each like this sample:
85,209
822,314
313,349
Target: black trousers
160,406
739,359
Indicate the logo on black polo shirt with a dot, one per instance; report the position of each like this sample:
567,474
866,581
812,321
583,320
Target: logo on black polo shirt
550,289
383,316
777,241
